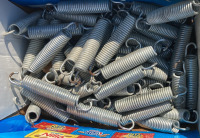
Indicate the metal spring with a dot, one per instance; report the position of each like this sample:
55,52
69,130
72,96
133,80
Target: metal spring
51,76
89,20
49,31
178,86
145,41
32,113
86,7
85,76
161,62
38,75
116,40
116,20
98,115
73,55
141,8
128,62
21,26
144,100
146,113
49,51
55,22
49,91
34,47
156,73
150,87
182,115
128,91
46,104
191,64
179,48
68,48
91,47
120,82
161,124
156,37
125,50
58,60
173,12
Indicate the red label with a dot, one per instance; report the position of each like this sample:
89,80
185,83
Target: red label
54,127
133,135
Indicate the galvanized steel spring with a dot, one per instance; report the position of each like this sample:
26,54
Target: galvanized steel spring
128,62
161,124
161,62
179,48
73,55
34,47
21,26
46,104
141,8
146,113
68,48
89,20
116,40
173,12
182,115
49,31
144,100
92,45
49,51
191,65
128,91
120,82
32,113
125,50
98,115
166,54
86,7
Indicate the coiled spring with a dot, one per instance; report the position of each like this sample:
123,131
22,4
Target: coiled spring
191,65
116,40
46,104
92,45
46,54
146,113
32,113
118,83
173,12
78,7
128,62
144,100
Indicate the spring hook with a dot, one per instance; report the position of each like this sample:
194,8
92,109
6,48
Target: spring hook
135,41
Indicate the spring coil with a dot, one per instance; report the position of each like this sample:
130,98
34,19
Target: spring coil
146,113
116,40
55,22
156,73
166,54
91,47
58,60
139,8
144,100
21,26
182,115
179,48
86,7
161,63
128,91
156,37
38,75
149,81
46,104
97,115
89,20
120,82
67,49
191,64
116,20
125,50
164,30
49,31
160,124
49,91
173,12
85,76
32,113
49,51
72,57
145,42
34,47
128,62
